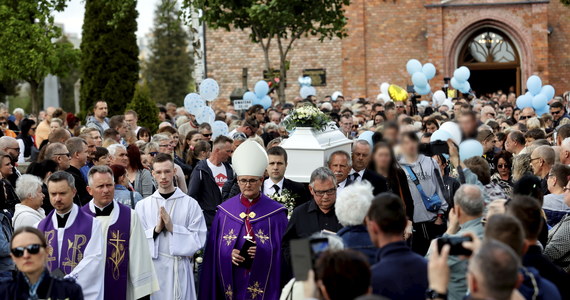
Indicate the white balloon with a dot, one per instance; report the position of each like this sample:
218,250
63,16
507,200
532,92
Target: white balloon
453,129
219,128
307,91
209,89
384,88
335,95
438,98
206,115
448,103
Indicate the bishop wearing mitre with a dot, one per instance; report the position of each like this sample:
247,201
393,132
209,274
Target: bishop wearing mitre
242,256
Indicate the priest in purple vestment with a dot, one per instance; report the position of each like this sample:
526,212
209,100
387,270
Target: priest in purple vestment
250,217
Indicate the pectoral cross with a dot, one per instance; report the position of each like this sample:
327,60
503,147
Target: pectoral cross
247,237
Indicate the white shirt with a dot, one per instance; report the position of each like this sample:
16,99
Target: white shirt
341,186
219,173
268,186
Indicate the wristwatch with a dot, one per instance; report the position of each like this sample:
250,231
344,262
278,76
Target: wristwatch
433,295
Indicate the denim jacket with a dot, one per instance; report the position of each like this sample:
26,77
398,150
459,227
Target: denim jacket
123,196
357,238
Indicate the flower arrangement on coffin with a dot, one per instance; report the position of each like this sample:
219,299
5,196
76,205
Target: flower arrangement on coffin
307,116
287,199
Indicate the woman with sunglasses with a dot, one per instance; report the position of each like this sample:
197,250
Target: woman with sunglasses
502,174
33,281
26,140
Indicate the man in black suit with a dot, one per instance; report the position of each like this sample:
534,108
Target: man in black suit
361,156
276,183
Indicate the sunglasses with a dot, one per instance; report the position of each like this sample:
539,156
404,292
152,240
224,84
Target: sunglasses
501,166
153,154
207,134
3,123
524,117
32,249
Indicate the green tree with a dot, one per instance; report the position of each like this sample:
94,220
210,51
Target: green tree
144,106
282,21
169,68
28,50
109,65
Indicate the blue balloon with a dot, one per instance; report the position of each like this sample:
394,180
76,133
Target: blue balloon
470,148
429,70
261,88
539,101
249,96
466,88
367,136
462,74
524,101
548,91
534,85
413,66
542,111
423,90
440,135
266,102
419,79
456,84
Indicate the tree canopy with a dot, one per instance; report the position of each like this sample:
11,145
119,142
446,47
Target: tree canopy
169,67
28,49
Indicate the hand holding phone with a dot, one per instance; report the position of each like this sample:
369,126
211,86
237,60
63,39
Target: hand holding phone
455,244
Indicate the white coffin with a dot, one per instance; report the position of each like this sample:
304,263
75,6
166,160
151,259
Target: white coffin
308,149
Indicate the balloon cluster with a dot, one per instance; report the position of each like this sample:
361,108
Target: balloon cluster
420,75
450,130
259,95
537,96
384,92
306,88
195,104
459,80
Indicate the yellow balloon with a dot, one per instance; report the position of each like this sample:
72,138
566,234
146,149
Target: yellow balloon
397,93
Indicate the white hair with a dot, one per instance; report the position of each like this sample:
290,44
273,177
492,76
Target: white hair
326,105
113,148
18,111
353,202
27,186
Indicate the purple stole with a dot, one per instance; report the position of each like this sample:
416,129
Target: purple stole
75,240
117,260
222,280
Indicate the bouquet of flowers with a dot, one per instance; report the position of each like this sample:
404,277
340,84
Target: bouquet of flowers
307,116
287,199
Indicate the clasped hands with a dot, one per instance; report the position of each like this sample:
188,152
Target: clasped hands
164,221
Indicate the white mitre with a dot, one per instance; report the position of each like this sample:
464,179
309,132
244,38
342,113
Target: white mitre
250,159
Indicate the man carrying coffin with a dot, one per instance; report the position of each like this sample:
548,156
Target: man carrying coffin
242,256
175,229
74,240
129,272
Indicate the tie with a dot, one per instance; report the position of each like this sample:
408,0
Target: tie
106,211
276,188
355,176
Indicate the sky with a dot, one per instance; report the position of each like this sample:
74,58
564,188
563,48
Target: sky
72,16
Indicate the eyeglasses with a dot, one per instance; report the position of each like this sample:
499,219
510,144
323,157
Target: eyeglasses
552,112
165,145
207,134
502,166
66,154
246,181
524,117
327,192
532,159
32,249
492,114
15,149
3,123
153,154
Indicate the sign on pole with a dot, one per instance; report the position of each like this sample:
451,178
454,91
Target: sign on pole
242,104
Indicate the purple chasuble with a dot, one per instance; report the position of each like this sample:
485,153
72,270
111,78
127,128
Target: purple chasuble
221,279
75,240
117,260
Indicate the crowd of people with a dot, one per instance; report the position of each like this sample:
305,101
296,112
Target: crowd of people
112,210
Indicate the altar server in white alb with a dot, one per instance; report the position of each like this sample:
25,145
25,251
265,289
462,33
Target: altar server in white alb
175,229
74,239
129,271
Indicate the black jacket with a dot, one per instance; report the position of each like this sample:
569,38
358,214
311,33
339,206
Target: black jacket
398,185
205,190
82,194
298,190
378,181
534,258
50,288
186,169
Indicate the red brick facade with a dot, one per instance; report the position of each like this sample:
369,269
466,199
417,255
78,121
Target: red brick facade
385,34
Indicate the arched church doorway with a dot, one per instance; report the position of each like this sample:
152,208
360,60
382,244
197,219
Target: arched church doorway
493,60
